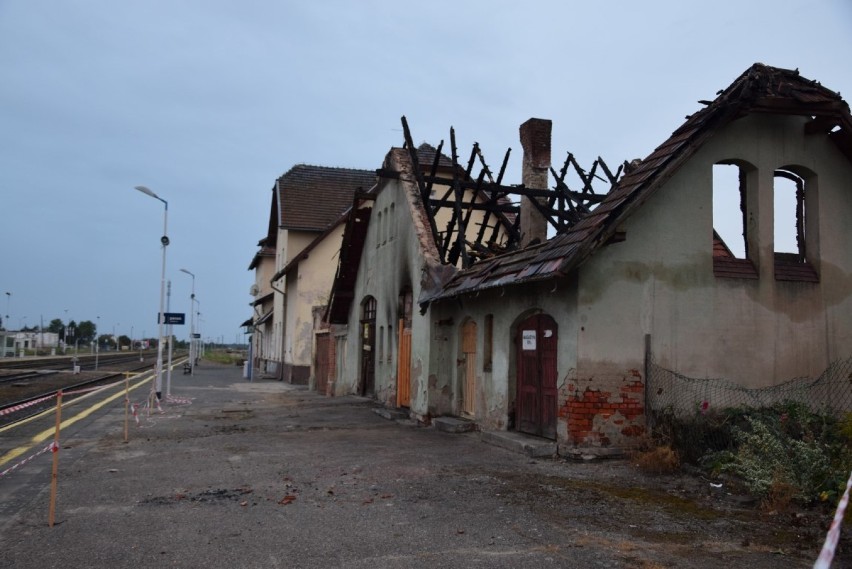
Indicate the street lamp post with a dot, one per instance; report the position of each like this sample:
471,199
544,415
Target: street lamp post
65,332
97,342
156,389
8,301
171,341
192,348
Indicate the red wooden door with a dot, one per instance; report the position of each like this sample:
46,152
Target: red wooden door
536,398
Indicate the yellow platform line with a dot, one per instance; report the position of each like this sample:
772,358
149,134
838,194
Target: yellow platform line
49,433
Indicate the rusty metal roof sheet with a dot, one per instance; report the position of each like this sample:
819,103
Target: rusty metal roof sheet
759,89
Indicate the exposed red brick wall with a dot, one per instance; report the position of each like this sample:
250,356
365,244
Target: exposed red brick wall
605,416
535,140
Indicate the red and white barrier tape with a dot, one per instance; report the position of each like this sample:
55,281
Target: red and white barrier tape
9,410
827,553
52,446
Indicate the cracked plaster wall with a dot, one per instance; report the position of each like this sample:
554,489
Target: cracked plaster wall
660,281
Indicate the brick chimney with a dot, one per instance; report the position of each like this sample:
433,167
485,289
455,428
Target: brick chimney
535,140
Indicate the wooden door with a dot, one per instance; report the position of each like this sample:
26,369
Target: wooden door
469,369
368,346
403,366
536,371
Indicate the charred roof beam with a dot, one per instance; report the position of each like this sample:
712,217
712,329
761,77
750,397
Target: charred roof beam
421,184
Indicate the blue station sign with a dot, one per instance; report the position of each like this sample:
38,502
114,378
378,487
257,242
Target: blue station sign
172,318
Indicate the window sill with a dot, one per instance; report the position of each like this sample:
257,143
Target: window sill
732,268
794,270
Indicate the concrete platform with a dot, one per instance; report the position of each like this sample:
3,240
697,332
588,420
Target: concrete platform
520,443
265,474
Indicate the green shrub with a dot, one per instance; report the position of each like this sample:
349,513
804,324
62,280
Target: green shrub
767,457
785,449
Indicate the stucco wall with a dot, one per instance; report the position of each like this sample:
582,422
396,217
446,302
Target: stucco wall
290,244
496,388
264,349
390,262
308,286
660,281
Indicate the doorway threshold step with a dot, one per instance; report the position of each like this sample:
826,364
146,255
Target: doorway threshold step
453,425
535,447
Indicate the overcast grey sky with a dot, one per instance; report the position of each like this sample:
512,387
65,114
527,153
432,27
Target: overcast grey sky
207,102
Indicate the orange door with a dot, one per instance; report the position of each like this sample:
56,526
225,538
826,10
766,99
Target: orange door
469,355
403,367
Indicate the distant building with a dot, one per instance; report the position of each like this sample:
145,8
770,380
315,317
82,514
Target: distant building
7,344
307,204
14,342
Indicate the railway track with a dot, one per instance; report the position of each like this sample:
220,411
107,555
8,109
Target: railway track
24,376
85,361
30,395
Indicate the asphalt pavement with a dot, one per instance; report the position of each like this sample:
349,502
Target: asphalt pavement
265,474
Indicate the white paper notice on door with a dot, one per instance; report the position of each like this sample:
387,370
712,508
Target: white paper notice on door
528,339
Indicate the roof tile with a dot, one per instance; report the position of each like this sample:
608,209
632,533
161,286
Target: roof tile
314,197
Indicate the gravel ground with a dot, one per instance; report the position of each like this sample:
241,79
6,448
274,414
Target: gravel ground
269,475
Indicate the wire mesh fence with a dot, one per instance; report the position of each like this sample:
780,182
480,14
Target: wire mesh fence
697,416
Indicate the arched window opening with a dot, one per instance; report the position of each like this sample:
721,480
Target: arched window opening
733,203
488,343
795,226
386,228
789,196
729,211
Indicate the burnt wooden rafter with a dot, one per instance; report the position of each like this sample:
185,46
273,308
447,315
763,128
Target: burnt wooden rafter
561,206
421,183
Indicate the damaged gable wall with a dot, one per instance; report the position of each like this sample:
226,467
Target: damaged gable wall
398,255
660,282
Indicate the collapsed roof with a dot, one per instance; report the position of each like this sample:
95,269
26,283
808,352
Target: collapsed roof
760,89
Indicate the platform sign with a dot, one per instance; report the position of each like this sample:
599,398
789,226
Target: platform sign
196,336
172,318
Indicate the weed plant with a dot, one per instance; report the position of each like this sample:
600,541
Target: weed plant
782,453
